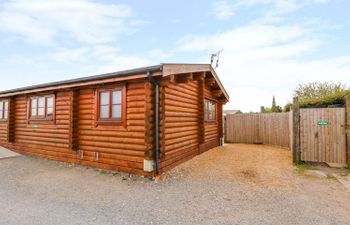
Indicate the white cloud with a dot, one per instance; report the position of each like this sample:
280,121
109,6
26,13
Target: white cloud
261,60
223,10
100,58
243,38
84,21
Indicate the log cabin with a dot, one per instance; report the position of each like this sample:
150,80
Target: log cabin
142,121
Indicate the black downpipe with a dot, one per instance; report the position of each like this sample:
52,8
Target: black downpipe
153,81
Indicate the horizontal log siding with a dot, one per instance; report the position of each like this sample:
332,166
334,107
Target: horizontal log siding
118,149
3,131
44,140
180,131
211,133
36,134
75,138
124,148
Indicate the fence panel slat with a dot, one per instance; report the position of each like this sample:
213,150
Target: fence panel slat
322,135
270,129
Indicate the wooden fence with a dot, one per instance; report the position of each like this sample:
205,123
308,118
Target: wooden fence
313,134
267,128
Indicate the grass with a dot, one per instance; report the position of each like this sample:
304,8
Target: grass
331,176
302,167
107,172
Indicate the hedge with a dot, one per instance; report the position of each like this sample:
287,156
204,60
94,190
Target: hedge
326,101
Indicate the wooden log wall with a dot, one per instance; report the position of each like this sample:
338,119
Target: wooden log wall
121,149
75,137
11,128
149,120
40,139
3,131
212,129
181,141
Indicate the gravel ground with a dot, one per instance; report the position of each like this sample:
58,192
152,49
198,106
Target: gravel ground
234,184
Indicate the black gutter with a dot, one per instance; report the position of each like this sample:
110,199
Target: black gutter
87,79
153,81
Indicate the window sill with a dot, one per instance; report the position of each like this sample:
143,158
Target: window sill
110,125
41,121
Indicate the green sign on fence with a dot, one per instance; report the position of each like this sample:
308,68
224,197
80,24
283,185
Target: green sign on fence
322,123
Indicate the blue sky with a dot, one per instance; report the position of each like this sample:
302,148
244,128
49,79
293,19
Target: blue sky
269,46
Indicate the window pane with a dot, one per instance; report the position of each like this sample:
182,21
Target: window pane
104,98
1,113
210,110
1,106
117,97
41,112
104,112
6,112
49,102
34,103
6,106
34,112
49,111
117,111
41,102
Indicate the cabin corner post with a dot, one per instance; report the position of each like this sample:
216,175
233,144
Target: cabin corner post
149,121
201,127
347,125
11,120
220,124
149,127
74,129
162,96
296,130
153,125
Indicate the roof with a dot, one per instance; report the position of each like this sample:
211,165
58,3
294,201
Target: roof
86,79
169,69
231,112
165,69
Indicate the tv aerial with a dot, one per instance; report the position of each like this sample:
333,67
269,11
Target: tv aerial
215,57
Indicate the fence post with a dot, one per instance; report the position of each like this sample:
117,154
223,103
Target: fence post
347,118
296,130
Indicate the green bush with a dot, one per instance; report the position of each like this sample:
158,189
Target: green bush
336,98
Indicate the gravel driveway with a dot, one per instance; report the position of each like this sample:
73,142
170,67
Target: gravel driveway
234,184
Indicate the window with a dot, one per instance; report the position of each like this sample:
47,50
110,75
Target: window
42,107
4,110
110,106
210,110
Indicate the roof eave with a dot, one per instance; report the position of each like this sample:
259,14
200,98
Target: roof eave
117,76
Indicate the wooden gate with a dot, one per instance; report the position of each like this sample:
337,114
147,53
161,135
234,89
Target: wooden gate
322,135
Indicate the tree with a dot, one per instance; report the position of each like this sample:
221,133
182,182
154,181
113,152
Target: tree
321,94
318,89
274,108
288,107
